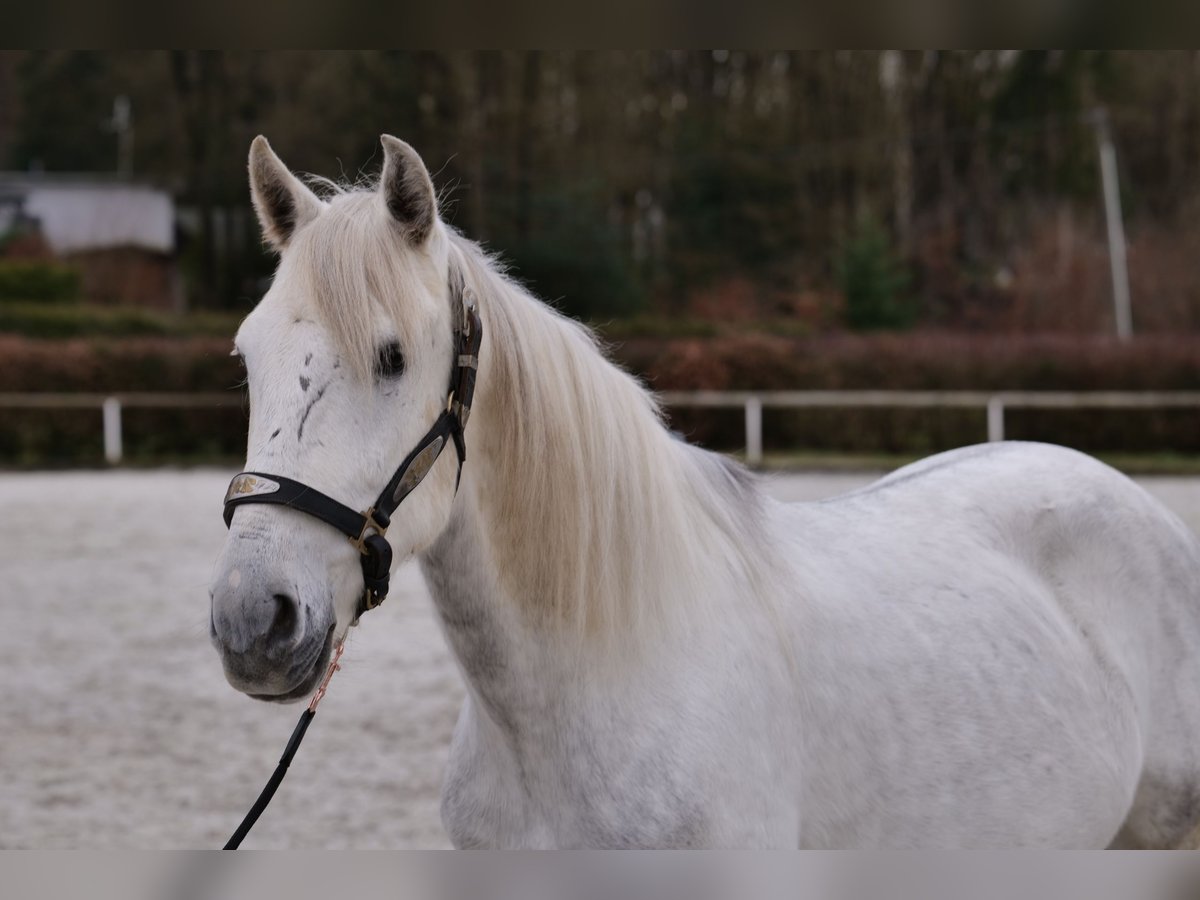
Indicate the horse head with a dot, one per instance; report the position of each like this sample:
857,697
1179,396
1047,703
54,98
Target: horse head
347,357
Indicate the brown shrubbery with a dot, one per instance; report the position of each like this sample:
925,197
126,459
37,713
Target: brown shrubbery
912,361
917,361
929,362
125,364
751,361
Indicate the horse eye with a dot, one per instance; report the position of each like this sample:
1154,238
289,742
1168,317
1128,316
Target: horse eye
391,361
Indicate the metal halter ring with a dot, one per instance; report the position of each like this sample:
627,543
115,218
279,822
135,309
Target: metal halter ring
371,524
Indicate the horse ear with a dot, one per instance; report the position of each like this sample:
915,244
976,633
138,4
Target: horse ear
282,201
407,189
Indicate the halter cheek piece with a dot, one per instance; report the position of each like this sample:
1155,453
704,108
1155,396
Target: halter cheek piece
366,530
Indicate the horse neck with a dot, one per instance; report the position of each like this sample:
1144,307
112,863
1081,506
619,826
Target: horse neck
596,528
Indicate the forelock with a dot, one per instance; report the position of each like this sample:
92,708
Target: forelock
354,265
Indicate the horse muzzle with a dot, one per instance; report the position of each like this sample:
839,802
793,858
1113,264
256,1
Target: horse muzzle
272,646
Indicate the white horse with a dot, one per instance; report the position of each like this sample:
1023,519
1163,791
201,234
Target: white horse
996,647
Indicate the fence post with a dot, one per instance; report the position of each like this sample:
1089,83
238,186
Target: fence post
1114,224
995,418
112,430
753,430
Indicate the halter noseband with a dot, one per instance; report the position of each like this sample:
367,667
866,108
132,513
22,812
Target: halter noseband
366,530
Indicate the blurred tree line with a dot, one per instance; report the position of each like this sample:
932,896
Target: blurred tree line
878,189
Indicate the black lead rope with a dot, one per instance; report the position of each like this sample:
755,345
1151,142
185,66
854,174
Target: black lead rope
273,784
289,752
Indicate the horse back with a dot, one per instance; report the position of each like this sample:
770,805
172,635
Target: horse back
1118,563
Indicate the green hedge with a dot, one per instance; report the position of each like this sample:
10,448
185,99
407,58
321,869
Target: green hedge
23,279
918,361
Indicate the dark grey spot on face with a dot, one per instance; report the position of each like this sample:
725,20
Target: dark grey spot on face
274,434
308,409
307,359
304,383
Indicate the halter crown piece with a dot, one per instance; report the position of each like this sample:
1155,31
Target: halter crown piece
366,530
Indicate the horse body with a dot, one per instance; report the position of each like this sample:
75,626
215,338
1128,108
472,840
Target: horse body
995,647
977,664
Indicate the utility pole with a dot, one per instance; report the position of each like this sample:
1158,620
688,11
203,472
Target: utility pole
1115,226
121,124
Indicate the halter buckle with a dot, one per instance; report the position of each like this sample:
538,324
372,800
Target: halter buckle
371,524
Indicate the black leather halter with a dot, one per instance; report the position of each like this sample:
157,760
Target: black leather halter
366,530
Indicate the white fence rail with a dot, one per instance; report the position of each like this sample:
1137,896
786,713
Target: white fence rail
993,403
111,405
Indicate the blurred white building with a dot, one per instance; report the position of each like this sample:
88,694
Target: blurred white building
120,235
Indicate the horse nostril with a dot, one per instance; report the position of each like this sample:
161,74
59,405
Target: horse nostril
283,626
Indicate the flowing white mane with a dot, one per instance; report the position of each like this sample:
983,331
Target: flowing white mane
606,522
601,521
